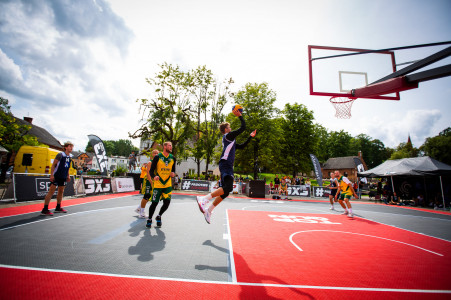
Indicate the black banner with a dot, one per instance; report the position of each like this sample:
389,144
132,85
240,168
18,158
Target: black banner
97,185
35,187
321,192
317,167
195,185
100,152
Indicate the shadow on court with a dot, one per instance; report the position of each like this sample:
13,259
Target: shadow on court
148,244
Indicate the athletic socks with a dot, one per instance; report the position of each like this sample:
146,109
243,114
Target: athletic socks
350,210
46,207
210,209
58,206
206,198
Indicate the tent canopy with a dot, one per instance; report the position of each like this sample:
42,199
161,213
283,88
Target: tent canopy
416,166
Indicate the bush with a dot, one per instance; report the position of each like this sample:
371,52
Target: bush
120,171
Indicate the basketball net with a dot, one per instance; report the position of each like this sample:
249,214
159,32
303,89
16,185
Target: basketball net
342,106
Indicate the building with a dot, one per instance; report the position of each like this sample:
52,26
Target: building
347,164
43,136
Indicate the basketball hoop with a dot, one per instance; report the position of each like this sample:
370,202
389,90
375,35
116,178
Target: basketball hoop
342,106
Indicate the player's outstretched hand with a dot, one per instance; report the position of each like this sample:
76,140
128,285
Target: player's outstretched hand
253,133
236,113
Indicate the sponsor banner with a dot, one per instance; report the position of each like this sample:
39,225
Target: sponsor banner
236,188
298,190
100,152
317,167
195,185
214,185
35,187
96,185
321,192
123,184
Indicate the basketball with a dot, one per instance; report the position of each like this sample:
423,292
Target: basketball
237,107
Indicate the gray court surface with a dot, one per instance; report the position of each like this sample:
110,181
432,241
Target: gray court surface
107,236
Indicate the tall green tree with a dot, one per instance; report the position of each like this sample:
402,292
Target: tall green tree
439,147
339,144
321,137
298,138
259,111
13,134
168,111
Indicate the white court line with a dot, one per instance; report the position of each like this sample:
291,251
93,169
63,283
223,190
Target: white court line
373,236
233,283
407,230
232,260
49,218
285,206
403,215
33,212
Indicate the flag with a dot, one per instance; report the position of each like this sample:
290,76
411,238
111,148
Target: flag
317,167
100,152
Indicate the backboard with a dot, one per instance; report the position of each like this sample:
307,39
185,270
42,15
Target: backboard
335,72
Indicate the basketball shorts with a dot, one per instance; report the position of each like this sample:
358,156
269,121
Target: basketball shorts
161,194
343,196
146,189
58,181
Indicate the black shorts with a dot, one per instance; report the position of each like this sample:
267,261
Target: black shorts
59,181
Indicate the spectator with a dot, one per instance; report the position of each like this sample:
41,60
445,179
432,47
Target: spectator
297,181
308,184
302,180
176,182
271,187
276,182
131,161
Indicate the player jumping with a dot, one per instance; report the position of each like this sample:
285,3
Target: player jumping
225,166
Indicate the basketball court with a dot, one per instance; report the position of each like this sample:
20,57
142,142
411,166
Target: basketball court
254,249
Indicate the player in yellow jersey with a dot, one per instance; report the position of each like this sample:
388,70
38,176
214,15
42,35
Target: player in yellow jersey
347,191
161,170
146,188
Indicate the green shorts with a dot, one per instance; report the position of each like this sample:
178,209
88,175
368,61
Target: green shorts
162,193
147,189
343,196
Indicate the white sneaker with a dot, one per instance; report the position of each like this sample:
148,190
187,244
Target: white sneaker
138,210
207,215
332,207
350,215
142,216
200,203
345,212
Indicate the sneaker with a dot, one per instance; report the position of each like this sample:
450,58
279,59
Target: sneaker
138,210
60,210
201,204
345,212
46,213
350,215
158,219
142,216
149,223
207,215
332,207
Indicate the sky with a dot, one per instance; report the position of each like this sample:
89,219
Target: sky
77,67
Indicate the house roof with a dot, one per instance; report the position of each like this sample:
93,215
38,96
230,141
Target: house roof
43,136
337,163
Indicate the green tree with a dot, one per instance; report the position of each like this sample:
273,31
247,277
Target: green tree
339,144
258,102
298,139
168,110
405,150
439,147
321,137
13,134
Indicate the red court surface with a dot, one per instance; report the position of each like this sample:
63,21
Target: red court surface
335,251
33,284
